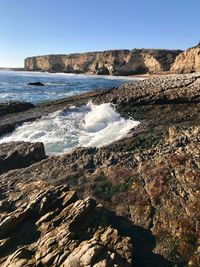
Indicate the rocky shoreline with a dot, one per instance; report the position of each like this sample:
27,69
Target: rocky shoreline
134,202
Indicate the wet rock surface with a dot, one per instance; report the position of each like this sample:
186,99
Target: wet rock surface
36,84
150,180
17,155
14,107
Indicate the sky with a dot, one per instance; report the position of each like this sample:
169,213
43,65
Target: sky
38,27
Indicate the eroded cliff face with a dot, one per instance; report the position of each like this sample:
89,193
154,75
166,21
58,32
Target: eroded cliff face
188,61
114,62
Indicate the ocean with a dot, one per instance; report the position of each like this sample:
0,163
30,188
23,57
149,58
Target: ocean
87,126
13,85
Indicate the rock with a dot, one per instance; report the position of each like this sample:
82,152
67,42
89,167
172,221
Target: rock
15,155
36,84
157,90
102,71
54,232
14,107
148,182
154,184
187,61
113,62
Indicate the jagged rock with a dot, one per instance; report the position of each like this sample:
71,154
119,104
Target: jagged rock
157,188
14,107
36,84
15,155
114,62
51,227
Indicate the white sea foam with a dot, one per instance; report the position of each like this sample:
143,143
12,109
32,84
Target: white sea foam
86,126
67,75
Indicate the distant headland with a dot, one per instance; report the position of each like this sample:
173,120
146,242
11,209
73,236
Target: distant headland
119,62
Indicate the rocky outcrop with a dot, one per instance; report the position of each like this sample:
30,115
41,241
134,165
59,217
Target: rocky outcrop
150,180
114,62
157,90
50,226
154,184
14,107
17,155
187,61
36,84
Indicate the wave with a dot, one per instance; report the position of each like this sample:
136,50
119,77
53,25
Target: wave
87,126
68,75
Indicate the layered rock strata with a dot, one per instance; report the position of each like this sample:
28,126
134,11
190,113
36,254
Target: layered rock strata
187,61
113,62
17,155
50,226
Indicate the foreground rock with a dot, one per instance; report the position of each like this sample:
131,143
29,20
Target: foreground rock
152,182
14,107
17,155
49,226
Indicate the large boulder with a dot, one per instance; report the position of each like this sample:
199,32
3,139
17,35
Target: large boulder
14,107
15,155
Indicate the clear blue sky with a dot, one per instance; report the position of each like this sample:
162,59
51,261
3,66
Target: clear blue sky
36,27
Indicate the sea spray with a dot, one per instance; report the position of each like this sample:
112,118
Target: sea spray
103,125
87,126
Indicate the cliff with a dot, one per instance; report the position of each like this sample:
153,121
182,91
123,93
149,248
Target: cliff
187,61
113,62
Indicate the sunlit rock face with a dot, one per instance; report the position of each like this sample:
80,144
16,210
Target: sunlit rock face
113,62
188,61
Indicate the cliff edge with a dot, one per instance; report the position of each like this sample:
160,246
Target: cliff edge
187,61
113,62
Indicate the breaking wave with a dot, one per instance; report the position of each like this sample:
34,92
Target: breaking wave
86,126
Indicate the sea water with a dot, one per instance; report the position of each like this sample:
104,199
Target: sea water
13,85
86,126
